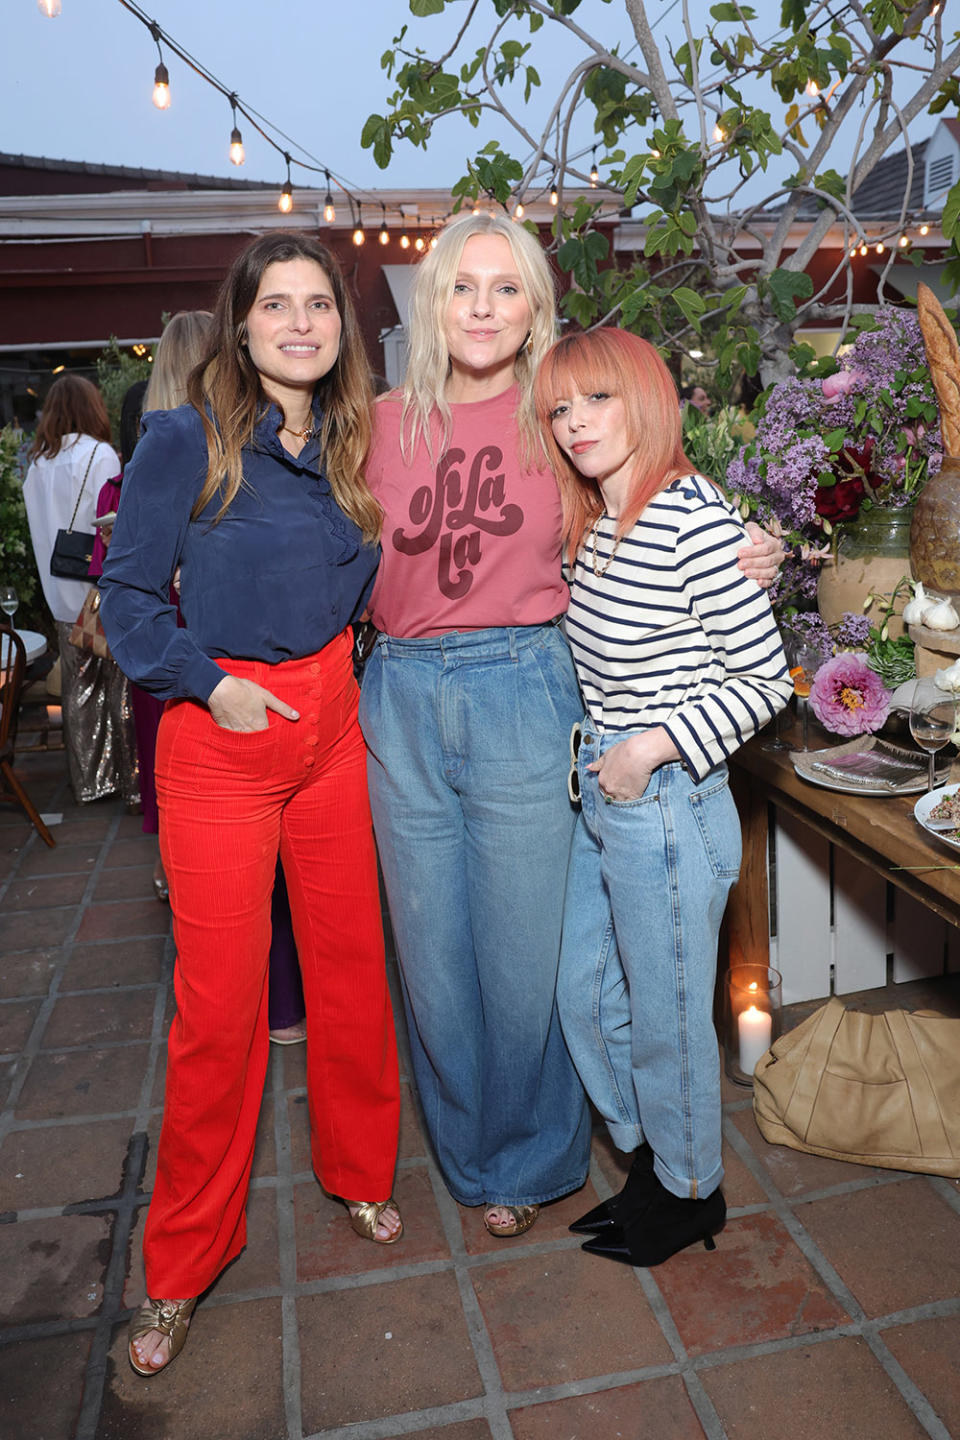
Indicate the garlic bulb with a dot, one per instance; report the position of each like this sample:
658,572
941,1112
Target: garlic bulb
941,616
949,679
913,611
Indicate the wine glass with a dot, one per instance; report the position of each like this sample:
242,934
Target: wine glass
933,719
9,602
790,641
807,660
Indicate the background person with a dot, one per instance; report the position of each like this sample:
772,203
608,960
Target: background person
71,458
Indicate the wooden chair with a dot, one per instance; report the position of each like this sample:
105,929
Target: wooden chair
13,664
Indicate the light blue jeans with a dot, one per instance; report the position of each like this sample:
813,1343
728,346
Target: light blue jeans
468,736
646,892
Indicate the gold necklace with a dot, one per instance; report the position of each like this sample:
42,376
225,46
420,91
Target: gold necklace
599,570
305,434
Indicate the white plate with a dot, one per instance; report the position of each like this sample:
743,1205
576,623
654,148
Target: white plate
926,803
850,787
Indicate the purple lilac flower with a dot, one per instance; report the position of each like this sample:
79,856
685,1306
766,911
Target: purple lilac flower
853,631
848,697
810,629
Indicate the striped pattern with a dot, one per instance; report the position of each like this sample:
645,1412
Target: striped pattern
673,633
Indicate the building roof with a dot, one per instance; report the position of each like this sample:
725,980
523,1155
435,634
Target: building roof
36,174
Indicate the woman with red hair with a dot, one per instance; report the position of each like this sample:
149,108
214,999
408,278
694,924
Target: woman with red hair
679,661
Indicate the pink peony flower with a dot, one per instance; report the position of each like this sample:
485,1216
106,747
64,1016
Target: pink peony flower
848,697
840,383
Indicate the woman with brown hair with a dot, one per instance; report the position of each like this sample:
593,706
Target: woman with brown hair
70,460
255,490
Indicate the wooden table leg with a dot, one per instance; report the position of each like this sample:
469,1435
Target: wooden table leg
748,910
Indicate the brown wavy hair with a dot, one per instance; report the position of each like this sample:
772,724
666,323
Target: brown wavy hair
74,406
226,391
616,363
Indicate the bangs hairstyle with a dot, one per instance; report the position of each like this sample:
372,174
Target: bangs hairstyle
613,362
73,406
226,392
181,347
425,409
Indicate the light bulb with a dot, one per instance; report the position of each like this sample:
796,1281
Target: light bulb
879,247
404,241
718,134
418,244
594,176
237,155
518,210
384,233
554,197
924,229
50,8
161,87
329,213
654,154
812,89
285,203
903,241
863,249
358,235
433,242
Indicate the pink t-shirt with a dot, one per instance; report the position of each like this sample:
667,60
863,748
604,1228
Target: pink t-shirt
469,541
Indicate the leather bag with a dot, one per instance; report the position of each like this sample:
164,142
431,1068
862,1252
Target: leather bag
872,1089
73,549
87,632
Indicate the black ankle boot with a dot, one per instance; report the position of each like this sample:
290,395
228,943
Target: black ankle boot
612,1214
668,1224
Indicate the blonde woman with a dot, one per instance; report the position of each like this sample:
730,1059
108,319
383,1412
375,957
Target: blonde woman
255,490
467,706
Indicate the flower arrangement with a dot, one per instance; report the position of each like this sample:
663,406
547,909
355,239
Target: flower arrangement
860,432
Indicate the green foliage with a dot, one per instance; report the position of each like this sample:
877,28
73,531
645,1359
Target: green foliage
17,565
116,372
786,286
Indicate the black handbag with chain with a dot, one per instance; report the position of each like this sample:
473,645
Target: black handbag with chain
73,549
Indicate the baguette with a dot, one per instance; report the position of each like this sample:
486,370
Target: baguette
943,357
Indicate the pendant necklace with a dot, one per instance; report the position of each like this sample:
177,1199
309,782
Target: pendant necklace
305,434
599,570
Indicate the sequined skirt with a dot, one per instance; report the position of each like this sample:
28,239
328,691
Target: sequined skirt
98,732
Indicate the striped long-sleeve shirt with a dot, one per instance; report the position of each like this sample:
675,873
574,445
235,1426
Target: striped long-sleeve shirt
672,633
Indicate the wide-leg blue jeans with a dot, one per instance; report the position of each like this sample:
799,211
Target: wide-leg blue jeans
468,738
646,892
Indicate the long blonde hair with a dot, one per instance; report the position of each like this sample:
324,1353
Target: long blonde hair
426,412
226,392
181,347
617,363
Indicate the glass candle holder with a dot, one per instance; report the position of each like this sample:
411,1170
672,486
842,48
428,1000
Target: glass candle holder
752,1018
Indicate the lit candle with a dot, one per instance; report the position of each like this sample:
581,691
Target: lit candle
754,1029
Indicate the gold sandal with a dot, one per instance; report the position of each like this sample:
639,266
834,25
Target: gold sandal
367,1218
170,1319
523,1218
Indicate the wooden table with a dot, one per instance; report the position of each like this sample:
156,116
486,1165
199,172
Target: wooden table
878,831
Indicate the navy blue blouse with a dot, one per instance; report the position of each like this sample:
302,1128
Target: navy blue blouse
281,574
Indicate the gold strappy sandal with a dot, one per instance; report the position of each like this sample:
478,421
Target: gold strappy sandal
367,1218
170,1319
523,1218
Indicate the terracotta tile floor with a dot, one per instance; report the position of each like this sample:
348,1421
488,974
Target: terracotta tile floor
831,1308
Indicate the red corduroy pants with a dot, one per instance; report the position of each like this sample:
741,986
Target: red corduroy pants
229,801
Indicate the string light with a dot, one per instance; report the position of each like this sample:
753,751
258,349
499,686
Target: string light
384,232
863,249
812,88
718,134
879,247
518,210
903,241
358,235
285,203
161,76
237,155
594,172
554,193
329,213
50,8
420,244
433,242
404,241
924,229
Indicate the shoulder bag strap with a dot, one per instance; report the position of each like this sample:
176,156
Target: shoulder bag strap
923,1100
799,1111
82,487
